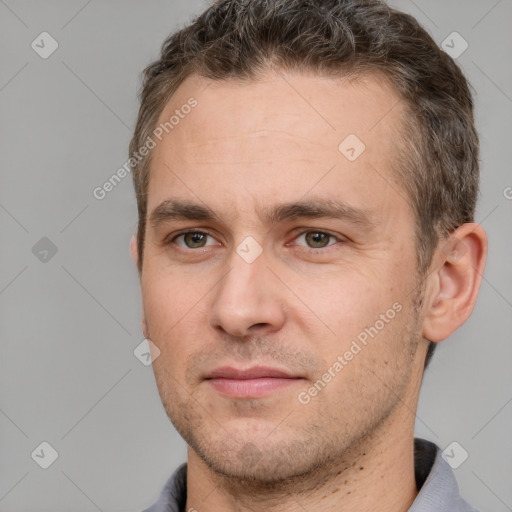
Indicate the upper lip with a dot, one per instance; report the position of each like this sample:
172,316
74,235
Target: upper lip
255,372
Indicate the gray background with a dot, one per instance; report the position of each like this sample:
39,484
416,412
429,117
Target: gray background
70,324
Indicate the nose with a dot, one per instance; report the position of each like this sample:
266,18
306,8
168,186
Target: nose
248,300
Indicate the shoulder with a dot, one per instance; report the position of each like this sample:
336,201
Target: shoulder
174,494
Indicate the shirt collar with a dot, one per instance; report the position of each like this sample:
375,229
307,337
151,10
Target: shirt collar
439,492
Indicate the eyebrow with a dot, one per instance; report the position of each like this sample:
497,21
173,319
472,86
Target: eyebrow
175,209
314,209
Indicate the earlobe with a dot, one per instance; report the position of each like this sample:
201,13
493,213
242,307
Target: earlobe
145,327
455,282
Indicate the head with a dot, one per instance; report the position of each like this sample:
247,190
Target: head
325,156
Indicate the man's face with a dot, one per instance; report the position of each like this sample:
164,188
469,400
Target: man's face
253,311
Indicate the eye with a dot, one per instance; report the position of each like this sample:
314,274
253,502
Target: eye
316,239
193,240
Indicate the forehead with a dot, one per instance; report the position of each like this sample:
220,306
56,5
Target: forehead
320,106
281,132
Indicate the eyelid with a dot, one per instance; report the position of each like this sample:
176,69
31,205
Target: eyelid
337,237
171,239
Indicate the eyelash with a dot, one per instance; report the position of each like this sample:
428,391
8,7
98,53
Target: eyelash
305,232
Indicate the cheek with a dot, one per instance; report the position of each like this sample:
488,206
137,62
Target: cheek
171,305
346,301
355,315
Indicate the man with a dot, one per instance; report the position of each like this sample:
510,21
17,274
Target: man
306,174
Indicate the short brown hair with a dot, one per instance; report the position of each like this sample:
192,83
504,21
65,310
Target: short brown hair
241,39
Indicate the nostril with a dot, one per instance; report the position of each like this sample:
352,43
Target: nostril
259,325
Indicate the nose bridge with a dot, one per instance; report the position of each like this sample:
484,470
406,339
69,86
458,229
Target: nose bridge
241,281
245,298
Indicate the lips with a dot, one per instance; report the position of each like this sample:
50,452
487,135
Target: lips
256,372
252,382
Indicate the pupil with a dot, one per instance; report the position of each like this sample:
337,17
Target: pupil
195,239
316,239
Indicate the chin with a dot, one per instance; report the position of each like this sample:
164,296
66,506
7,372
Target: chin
262,460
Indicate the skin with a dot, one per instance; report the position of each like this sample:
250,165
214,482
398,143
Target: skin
246,148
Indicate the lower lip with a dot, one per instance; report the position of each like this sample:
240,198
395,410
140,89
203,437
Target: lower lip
250,388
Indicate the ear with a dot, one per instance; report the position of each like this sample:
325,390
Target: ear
134,250
453,285
135,255
145,330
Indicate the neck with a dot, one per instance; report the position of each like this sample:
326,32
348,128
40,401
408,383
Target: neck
362,481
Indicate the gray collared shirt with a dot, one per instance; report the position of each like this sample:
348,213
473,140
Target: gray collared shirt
438,489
